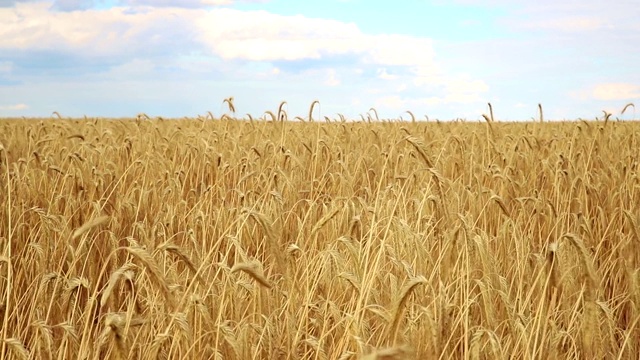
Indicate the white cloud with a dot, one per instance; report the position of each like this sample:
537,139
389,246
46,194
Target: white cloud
139,41
448,90
393,102
400,50
384,75
34,26
263,36
228,33
427,76
14,107
464,89
332,78
616,91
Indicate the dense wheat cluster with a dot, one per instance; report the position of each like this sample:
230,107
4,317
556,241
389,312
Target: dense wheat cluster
228,239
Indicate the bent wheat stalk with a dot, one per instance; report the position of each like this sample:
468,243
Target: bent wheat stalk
89,225
311,109
252,268
404,296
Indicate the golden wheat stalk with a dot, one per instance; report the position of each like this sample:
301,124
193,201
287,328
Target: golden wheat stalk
632,223
491,113
180,254
253,269
271,114
114,329
272,238
375,112
392,353
89,225
591,286
113,280
154,270
502,205
420,148
540,110
315,102
17,348
324,220
7,256
282,114
488,121
400,306
413,118
229,102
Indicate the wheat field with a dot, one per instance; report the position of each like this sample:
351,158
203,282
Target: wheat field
229,239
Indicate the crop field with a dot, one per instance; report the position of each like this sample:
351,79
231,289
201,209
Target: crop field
237,239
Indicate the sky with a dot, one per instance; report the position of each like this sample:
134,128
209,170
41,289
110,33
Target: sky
439,59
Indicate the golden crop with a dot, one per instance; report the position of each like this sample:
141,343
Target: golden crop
207,239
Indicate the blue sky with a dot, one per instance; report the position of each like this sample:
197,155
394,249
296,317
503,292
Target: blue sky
444,59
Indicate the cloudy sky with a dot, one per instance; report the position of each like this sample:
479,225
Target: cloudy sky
444,59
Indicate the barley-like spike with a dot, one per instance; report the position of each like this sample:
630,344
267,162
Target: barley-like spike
541,115
113,280
252,269
324,220
273,116
311,109
282,115
502,205
607,115
180,254
89,225
229,102
413,118
375,112
271,236
17,348
632,224
393,353
154,270
419,146
592,282
404,296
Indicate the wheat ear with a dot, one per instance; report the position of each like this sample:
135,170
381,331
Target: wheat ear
541,115
154,270
252,268
229,102
17,348
419,146
89,225
311,109
404,296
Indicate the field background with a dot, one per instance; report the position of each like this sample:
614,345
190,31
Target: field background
163,239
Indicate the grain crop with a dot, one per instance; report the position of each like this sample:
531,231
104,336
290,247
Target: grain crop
222,238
